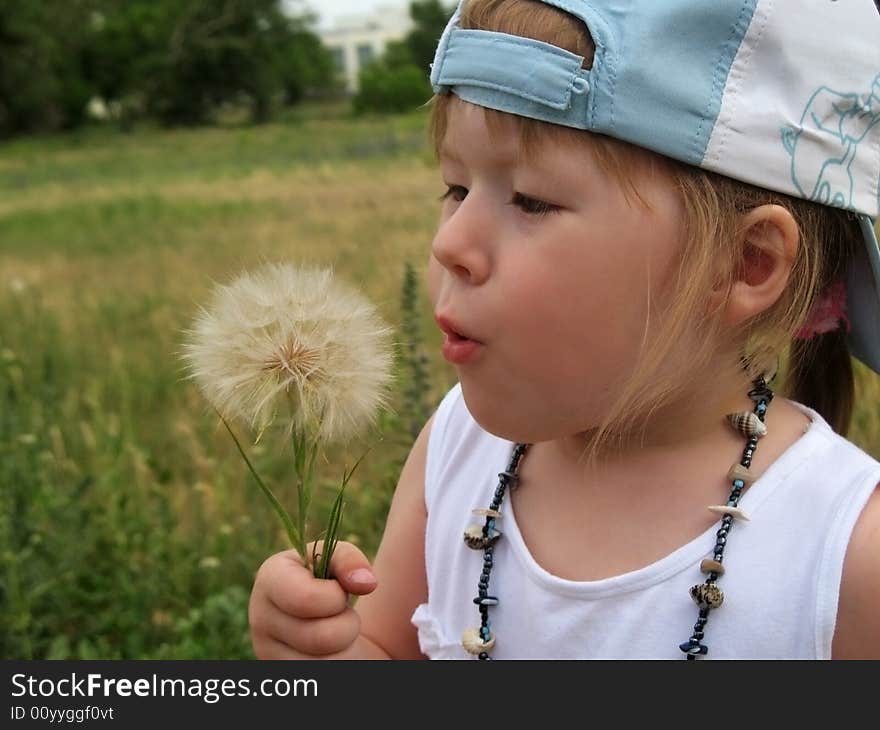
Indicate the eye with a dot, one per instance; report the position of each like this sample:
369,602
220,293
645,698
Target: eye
533,206
455,192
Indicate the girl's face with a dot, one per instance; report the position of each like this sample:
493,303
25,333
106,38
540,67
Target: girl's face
551,267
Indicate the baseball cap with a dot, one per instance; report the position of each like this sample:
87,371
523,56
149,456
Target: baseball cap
782,94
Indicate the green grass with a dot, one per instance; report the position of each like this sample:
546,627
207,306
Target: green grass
129,527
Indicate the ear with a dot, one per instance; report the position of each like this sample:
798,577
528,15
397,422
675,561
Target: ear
770,244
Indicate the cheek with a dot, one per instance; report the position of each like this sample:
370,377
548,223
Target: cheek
432,277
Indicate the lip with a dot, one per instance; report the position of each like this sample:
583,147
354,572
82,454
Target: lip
458,346
452,330
458,351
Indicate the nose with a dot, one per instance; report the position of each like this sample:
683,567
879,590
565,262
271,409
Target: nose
461,244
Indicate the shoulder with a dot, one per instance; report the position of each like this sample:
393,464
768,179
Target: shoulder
857,635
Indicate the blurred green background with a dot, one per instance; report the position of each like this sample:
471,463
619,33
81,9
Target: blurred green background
129,527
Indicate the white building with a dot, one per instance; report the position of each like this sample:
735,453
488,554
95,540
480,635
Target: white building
356,39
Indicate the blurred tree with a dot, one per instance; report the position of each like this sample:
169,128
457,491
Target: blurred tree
429,19
398,81
128,45
305,64
222,51
384,89
176,59
43,85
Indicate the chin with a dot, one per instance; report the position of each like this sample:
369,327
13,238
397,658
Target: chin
518,426
503,423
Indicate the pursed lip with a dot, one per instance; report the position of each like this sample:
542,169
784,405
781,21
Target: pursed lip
447,325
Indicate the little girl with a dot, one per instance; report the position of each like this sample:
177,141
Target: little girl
648,203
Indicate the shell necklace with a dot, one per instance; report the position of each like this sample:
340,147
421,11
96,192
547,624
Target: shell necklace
480,641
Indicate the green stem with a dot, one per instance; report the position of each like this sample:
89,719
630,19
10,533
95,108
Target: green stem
293,535
331,536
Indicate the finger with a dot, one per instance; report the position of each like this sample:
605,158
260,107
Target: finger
272,649
316,637
352,569
290,587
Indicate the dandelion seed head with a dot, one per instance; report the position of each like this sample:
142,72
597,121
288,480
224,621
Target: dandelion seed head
292,345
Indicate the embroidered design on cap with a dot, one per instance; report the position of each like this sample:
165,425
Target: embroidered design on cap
845,117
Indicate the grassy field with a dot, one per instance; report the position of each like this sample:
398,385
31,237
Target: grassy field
128,526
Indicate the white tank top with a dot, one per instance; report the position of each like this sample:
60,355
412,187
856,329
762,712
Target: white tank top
781,585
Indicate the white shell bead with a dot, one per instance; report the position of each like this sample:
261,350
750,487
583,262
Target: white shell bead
473,642
482,512
735,512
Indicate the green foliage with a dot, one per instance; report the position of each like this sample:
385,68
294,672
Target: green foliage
416,385
385,89
306,67
398,81
429,20
216,628
178,60
223,51
43,84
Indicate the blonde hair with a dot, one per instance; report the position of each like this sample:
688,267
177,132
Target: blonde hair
818,372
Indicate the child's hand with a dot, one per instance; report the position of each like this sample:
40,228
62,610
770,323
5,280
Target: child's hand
294,615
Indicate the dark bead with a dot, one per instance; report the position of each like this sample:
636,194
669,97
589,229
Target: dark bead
693,647
484,601
484,656
721,541
722,532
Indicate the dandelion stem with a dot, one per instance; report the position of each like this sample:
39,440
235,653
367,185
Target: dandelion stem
293,535
305,453
331,536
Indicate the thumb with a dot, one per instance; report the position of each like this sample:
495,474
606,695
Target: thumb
351,569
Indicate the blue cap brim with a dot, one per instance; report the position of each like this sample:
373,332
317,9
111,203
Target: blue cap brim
863,292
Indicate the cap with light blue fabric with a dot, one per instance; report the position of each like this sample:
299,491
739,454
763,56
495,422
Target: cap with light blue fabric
782,94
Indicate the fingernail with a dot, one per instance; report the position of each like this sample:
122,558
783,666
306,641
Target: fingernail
362,575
